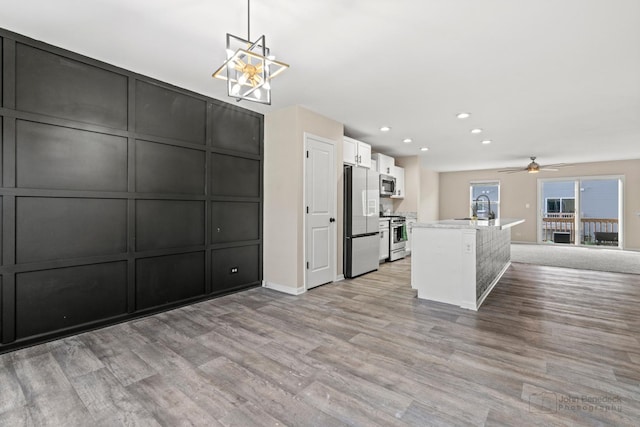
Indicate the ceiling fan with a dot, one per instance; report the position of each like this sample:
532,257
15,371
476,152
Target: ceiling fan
534,167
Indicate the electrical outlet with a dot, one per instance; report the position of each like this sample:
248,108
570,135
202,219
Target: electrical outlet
233,270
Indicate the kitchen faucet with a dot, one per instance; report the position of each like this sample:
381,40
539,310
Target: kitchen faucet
491,214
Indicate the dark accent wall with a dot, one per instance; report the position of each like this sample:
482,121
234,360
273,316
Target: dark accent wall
119,195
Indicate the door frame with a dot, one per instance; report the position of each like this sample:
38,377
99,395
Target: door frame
334,179
576,224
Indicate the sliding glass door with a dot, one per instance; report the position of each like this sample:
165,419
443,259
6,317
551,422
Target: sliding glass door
580,211
599,212
558,212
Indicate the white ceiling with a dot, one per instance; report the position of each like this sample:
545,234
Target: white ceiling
557,79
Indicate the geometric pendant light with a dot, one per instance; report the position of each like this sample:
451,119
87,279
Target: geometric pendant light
249,67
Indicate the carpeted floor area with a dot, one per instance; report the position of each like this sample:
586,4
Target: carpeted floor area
599,259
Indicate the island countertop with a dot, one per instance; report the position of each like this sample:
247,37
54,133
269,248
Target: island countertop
460,261
497,224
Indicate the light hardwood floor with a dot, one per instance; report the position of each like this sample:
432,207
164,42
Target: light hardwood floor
547,342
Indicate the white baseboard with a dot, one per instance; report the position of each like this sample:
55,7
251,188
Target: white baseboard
339,278
283,288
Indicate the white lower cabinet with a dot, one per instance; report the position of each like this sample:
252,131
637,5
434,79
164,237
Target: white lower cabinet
410,222
384,240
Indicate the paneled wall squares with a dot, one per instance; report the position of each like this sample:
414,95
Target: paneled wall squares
235,221
49,228
235,130
54,85
62,158
166,279
1,71
67,297
235,176
162,168
120,195
234,267
170,114
162,224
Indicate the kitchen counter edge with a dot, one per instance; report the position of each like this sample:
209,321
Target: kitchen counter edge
498,224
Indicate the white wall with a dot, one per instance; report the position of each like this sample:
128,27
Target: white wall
519,190
421,189
284,263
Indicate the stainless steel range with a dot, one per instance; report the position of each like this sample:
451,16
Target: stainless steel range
398,238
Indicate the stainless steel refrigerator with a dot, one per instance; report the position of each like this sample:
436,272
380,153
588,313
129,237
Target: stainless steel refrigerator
361,220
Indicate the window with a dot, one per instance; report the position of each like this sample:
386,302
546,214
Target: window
491,189
558,205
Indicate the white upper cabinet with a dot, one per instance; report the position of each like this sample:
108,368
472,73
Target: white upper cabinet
398,173
385,163
356,153
364,155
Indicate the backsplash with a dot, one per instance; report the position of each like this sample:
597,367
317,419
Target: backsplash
386,205
386,208
408,215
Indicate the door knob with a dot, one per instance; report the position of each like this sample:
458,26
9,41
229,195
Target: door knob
332,220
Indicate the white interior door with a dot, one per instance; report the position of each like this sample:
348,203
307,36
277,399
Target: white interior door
320,200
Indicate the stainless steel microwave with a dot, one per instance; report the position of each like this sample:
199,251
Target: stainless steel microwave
387,185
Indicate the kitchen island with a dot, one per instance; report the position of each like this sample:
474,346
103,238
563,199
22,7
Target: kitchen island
460,261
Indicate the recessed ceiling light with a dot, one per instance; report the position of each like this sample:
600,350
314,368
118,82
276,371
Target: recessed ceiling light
407,140
463,115
385,128
486,141
476,130
424,149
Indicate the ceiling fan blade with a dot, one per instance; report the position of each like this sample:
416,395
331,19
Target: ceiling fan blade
512,170
549,169
557,165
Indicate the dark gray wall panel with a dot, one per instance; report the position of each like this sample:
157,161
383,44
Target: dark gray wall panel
1,292
162,168
234,221
245,258
57,86
2,234
1,88
106,175
1,136
166,279
235,129
58,228
234,176
54,299
62,158
166,113
169,224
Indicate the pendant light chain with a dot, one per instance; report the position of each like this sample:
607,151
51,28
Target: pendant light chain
248,19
